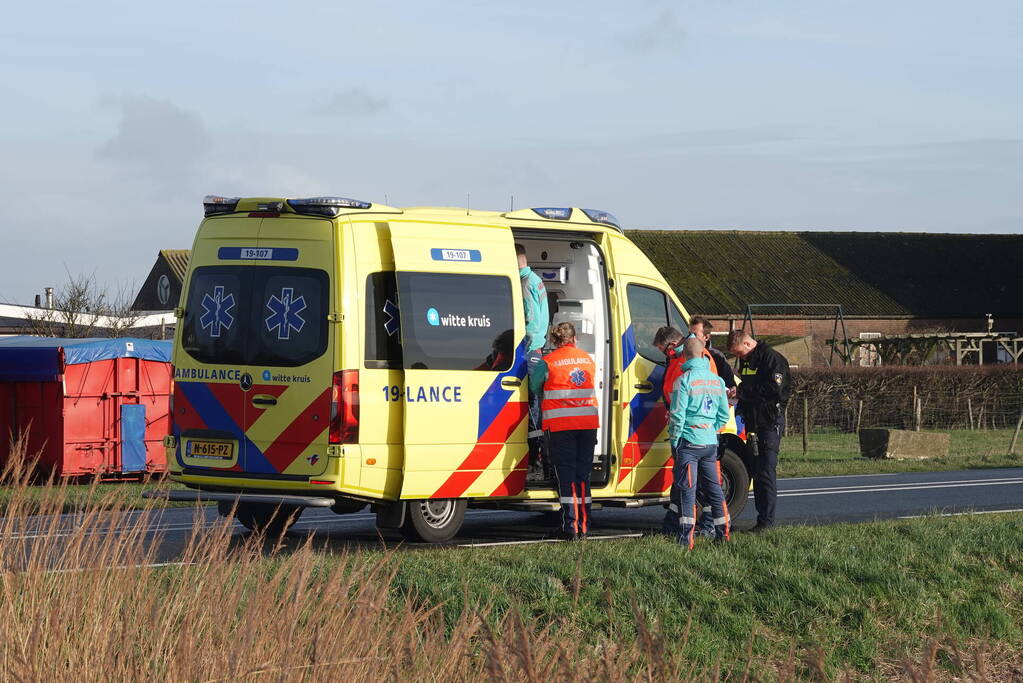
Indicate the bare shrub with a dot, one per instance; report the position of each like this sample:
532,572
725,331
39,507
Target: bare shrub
82,308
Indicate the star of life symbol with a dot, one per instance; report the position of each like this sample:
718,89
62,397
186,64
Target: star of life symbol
284,313
391,322
708,404
217,311
578,377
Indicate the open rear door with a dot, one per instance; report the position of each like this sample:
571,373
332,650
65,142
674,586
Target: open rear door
463,347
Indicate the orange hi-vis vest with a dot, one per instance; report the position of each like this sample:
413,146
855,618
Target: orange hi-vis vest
674,370
569,399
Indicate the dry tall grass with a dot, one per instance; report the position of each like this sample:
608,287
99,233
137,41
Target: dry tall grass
80,603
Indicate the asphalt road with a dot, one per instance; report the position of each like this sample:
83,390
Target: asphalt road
811,500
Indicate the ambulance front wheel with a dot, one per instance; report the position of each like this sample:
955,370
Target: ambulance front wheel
735,482
435,520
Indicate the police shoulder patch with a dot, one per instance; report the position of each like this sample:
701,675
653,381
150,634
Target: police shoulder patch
778,377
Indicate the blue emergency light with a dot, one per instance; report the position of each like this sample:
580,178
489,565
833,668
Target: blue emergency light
598,216
554,213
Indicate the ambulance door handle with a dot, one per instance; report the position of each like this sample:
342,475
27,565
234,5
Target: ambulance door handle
264,401
644,386
511,382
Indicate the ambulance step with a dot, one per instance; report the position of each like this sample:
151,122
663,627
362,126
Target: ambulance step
529,505
634,502
210,496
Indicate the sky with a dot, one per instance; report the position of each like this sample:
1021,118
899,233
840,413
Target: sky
118,117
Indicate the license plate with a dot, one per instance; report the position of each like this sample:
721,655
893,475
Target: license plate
214,450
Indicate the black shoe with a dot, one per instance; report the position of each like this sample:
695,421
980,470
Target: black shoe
566,535
759,528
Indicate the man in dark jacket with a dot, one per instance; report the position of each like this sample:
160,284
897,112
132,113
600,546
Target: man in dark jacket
763,394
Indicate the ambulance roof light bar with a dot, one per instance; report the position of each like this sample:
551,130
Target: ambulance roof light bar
214,204
557,213
599,216
326,206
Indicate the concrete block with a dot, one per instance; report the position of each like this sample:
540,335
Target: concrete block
899,444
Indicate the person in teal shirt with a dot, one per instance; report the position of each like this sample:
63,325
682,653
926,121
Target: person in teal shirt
699,409
534,303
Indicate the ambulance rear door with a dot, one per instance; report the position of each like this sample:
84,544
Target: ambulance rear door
463,347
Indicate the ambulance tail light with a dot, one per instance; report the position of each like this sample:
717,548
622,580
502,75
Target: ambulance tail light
214,205
344,407
329,207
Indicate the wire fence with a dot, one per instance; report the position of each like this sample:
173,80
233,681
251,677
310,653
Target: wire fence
903,408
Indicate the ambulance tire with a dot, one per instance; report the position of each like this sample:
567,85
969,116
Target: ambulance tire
267,518
736,482
435,520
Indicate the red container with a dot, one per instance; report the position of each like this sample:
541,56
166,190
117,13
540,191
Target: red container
88,406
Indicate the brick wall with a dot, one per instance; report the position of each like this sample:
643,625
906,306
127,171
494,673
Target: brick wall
819,331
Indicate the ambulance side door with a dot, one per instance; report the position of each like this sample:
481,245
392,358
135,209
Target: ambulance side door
646,455
463,354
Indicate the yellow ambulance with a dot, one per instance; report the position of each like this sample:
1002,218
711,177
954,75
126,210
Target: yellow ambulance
335,353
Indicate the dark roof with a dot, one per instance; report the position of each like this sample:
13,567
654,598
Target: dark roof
718,272
177,259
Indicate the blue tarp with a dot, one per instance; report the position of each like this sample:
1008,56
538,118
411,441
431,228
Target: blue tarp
38,359
133,438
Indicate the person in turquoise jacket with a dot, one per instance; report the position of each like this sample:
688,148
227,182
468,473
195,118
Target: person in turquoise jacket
534,301
699,409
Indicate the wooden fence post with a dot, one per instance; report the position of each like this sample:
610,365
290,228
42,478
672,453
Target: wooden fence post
919,412
913,409
859,415
806,426
1015,435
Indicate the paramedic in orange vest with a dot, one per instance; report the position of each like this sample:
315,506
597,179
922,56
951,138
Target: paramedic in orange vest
571,419
668,341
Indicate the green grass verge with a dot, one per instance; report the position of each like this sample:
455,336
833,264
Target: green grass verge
835,453
77,497
861,596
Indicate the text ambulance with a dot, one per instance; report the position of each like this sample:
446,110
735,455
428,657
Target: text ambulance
332,352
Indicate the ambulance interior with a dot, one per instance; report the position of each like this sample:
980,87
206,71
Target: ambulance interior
572,269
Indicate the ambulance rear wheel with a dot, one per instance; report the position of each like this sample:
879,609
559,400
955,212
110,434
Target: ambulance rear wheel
435,520
272,520
735,482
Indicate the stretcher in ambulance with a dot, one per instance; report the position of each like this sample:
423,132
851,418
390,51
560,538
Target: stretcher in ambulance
337,353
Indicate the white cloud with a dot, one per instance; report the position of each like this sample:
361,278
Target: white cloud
354,101
156,137
662,32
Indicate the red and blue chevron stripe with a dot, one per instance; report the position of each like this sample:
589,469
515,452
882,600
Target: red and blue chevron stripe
221,407
647,414
498,418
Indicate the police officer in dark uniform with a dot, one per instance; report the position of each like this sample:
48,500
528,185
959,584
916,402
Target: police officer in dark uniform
763,394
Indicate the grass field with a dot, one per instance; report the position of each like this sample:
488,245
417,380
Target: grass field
835,453
925,599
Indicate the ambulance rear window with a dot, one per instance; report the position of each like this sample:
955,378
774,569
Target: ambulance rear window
256,315
383,329
456,322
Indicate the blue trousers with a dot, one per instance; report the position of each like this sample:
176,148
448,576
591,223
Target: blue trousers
698,466
705,525
532,359
572,454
